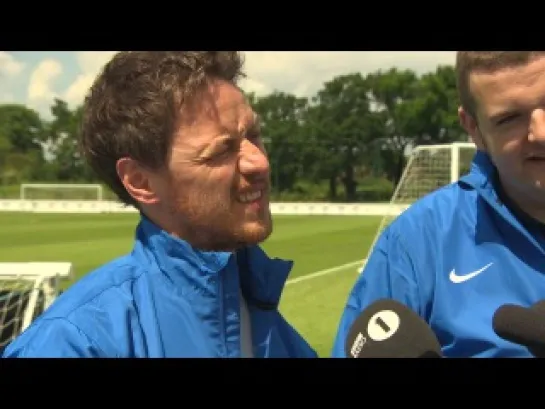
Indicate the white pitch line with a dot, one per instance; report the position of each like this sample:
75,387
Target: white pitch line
323,272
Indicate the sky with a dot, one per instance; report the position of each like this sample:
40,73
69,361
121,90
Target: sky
35,78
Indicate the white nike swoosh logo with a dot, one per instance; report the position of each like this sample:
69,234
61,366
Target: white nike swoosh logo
460,279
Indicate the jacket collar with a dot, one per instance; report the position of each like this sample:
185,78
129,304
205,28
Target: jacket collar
262,279
482,175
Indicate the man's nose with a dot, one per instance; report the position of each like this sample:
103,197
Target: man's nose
253,158
537,126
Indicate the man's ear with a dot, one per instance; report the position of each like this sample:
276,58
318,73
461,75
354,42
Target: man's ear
469,123
136,180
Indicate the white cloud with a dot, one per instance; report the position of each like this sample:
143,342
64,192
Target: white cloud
40,91
90,63
76,92
6,98
299,73
9,66
303,73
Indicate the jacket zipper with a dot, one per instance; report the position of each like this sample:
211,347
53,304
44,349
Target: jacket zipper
222,314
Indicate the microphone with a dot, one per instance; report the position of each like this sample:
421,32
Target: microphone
389,329
522,325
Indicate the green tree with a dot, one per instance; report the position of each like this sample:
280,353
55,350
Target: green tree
339,126
281,118
21,138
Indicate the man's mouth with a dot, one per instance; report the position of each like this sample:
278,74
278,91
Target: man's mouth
250,196
536,158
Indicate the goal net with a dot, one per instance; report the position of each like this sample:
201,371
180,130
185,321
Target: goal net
428,168
59,191
26,290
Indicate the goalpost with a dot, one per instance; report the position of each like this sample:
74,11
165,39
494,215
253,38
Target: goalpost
428,168
60,191
26,290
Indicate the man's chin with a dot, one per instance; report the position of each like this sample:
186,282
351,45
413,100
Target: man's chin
255,232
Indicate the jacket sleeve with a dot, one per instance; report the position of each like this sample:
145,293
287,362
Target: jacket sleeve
52,338
388,273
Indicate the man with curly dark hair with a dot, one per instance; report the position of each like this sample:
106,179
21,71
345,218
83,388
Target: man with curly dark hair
171,134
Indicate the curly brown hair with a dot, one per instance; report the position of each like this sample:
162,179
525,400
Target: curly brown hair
135,105
485,61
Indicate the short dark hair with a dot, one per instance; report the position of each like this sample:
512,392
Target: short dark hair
133,107
485,61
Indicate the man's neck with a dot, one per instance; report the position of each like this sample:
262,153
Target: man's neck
199,240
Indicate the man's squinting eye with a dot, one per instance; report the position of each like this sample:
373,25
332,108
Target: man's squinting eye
232,144
253,135
227,145
506,119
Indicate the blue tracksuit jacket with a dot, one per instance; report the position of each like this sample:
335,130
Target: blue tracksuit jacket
454,257
166,299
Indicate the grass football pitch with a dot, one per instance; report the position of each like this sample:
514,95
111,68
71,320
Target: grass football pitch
326,251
